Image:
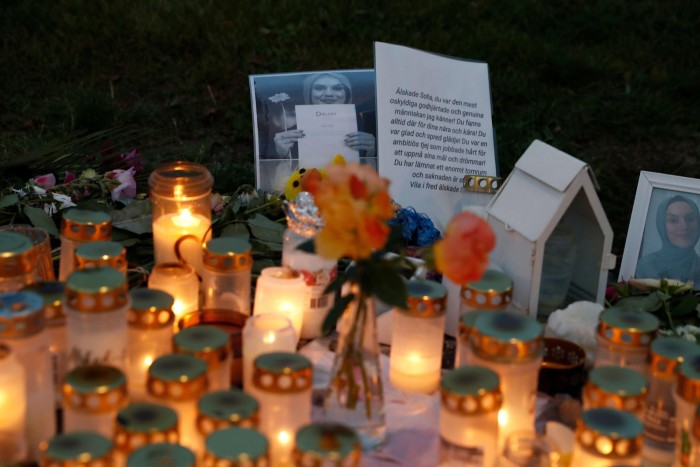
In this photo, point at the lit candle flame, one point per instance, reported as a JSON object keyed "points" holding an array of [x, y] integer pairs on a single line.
{"points": [[415, 358], [185, 219], [178, 307], [147, 361], [269, 338], [502, 417], [283, 437]]}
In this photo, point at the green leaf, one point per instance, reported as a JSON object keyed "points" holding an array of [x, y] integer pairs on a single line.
{"points": [[124, 238], [237, 229], [265, 229], [640, 303], [9, 200], [136, 217], [261, 263], [386, 283], [336, 312], [685, 306], [40, 219], [266, 247]]}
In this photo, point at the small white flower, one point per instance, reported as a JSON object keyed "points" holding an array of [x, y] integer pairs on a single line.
{"points": [[38, 190], [20, 192], [246, 198], [279, 97], [50, 209], [690, 337], [65, 200]]}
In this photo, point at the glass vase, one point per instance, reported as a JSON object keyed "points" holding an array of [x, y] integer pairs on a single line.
{"points": [[355, 396]]}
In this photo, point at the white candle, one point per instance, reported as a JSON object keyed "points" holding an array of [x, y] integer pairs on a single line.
{"points": [[180, 281], [281, 290], [13, 406], [170, 228], [269, 332]]}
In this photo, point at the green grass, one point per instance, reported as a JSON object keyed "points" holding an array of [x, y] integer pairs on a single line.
{"points": [[614, 83]]}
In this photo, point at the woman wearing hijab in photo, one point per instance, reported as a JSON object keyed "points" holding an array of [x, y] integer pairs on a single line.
{"points": [[321, 89], [678, 224]]}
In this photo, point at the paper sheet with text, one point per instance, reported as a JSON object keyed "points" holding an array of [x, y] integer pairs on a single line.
{"points": [[325, 128], [433, 127]]}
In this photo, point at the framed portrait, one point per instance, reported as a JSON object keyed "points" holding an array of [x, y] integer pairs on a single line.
{"points": [[307, 119], [662, 239]]}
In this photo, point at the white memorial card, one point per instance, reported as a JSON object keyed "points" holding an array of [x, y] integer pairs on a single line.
{"points": [[434, 127], [325, 130]]}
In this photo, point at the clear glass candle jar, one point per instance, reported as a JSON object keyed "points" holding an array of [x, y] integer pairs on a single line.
{"points": [[180, 281], [149, 335], [623, 338], [101, 254], [470, 401], [269, 332], [327, 444], [226, 274], [617, 388], [666, 353], [212, 345], [178, 381], [172, 455], [236, 446], [527, 448], [283, 383], [494, 291], [417, 337], [687, 398], [53, 293], [303, 222], [13, 406], [607, 437], [96, 306], [92, 396], [466, 326], [81, 448], [42, 244], [222, 409], [142, 423], [511, 345], [23, 328], [180, 193], [17, 262], [281, 290], [79, 226]]}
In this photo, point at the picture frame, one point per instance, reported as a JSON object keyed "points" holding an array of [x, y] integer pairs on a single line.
{"points": [[653, 248], [274, 98]]}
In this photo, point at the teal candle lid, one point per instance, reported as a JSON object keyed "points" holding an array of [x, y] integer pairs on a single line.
{"points": [[468, 319], [282, 372], [507, 336], [87, 217], [95, 251], [21, 314], [688, 386], [616, 387], [144, 417], [493, 291], [471, 390], [491, 280], [86, 226], [609, 432], [53, 293], [236, 444], [13, 244], [230, 406], [426, 299], [95, 281], [282, 362], [150, 309], [177, 377], [200, 339], [324, 441], [162, 454], [228, 254], [79, 446], [668, 352], [635, 328], [227, 246], [95, 379]]}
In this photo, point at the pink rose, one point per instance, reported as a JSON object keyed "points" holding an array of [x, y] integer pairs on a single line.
{"points": [[47, 180], [127, 184], [462, 254], [69, 177], [217, 203]]}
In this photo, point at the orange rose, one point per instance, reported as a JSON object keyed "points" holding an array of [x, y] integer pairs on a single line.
{"points": [[462, 254]]}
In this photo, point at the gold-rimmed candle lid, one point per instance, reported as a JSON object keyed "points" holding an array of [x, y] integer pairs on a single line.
{"points": [[493, 291], [162, 454], [100, 254], [86, 226], [481, 183], [150, 309], [141, 423], [282, 372], [623, 327], [507, 337], [666, 353], [228, 254], [225, 408], [471, 390], [466, 323], [21, 314], [177, 377], [53, 293], [426, 299], [209, 343], [236, 447], [609, 433], [180, 180], [78, 448], [96, 290], [95, 388], [688, 385], [616, 387], [17, 254], [327, 443]]}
